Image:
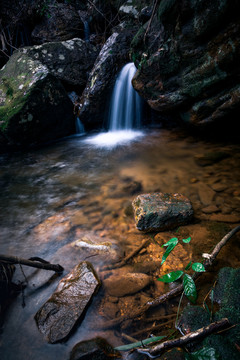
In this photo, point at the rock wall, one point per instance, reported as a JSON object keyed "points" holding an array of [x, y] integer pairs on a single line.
{"points": [[188, 60]]}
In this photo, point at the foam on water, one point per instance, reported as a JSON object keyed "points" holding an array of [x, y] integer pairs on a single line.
{"points": [[113, 138]]}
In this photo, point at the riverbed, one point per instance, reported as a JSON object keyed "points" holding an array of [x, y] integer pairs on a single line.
{"points": [[55, 195]]}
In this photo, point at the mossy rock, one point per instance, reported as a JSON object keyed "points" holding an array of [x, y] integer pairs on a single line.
{"points": [[34, 106]]}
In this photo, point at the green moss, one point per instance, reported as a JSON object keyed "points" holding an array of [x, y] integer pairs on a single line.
{"points": [[15, 100]]}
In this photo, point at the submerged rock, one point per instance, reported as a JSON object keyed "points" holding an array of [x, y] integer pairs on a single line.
{"points": [[126, 284], [64, 309], [160, 211], [94, 349], [34, 106], [70, 61]]}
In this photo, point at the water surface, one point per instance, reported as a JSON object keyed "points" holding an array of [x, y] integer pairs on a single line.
{"points": [[55, 195]]}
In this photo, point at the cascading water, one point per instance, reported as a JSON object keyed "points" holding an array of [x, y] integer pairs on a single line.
{"points": [[124, 112], [125, 107], [86, 30]]}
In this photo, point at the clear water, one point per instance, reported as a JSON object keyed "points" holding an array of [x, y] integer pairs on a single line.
{"points": [[55, 195]]}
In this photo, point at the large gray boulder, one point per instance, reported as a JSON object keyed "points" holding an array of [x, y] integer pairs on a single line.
{"points": [[70, 61], [113, 55], [58, 316], [161, 211], [34, 106]]}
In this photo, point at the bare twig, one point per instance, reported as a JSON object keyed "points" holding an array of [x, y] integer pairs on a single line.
{"points": [[144, 244], [158, 350], [40, 263], [153, 328]]}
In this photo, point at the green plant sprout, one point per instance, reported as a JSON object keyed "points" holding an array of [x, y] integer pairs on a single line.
{"points": [[189, 286]]}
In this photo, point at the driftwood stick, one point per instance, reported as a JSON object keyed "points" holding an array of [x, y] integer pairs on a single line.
{"points": [[174, 292], [158, 350], [40, 264], [144, 244]]}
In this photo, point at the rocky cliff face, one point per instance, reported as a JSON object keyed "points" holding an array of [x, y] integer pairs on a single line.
{"points": [[188, 60]]}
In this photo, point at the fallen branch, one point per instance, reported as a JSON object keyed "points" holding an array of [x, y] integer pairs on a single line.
{"points": [[144, 244], [174, 292], [33, 262], [158, 350]]}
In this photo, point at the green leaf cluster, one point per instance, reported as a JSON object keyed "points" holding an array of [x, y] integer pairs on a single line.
{"points": [[188, 283]]}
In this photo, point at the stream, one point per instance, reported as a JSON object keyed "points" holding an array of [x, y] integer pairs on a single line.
{"points": [[53, 196]]}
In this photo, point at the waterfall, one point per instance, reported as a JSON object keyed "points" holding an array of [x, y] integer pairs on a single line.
{"points": [[86, 30], [124, 112], [79, 127], [125, 107]]}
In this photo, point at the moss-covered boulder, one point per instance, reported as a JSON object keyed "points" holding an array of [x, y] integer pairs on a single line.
{"points": [[34, 106], [226, 293], [188, 61], [70, 61]]}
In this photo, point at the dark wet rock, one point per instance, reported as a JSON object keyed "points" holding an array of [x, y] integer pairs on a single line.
{"points": [[145, 14], [110, 60], [94, 349], [65, 308], [193, 318], [133, 187], [189, 61], [34, 106], [59, 22], [226, 293], [160, 211], [126, 284], [210, 158], [70, 61]]}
